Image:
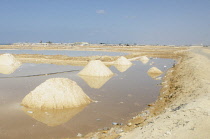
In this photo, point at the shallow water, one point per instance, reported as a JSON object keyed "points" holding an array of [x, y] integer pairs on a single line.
{"points": [[119, 99], [63, 52]]}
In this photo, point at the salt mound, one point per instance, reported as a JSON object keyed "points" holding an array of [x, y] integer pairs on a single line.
{"points": [[52, 117], [8, 60], [144, 59], [4, 69], [95, 82], [56, 93], [122, 61], [122, 68], [96, 68], [154, 72]]}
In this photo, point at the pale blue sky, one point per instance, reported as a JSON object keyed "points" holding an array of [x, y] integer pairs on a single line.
{"points": [[110, 21]]}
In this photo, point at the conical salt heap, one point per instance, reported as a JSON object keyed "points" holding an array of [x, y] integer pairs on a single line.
{"points": [[144, 59], [122, 61], [52, 117], [95, 82], [154, 72], [4, 69], [8, 60], [8, 64], [122, 68], [56, 93], [96, 68]]}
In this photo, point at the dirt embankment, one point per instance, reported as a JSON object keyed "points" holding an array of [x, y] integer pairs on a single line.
{"points": [[133, 54], [186, 111]]}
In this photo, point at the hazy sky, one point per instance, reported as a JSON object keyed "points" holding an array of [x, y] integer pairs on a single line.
{"points": [[109, 21]]}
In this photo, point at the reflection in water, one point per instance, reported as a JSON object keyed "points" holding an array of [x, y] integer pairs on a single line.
{"points": [[144, 61], [52, 117], [122, 68], [154, 72], [95, 82], [96, 68], [8, 69], [153, 75]]}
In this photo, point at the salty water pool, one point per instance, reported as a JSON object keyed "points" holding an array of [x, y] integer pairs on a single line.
{"points": [[119, 98]]}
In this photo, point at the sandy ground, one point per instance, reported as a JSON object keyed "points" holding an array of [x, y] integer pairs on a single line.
{"points": [[182, 109]]}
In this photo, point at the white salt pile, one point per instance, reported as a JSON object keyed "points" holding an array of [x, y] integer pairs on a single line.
{"points": [[122, 61], [144, 59], [56, 93], [4, 69], [154, 72], [8, 64], [94, 81], [8, 60], [96, 68], [122, 68]]}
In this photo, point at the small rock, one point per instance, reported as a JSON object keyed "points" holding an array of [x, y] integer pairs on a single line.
{"points": [[150, 104], [129, 124], [179, 107], [30, 111], [98, 119], [79, 135], [114, 123], [119, 131], [147, 111]]}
